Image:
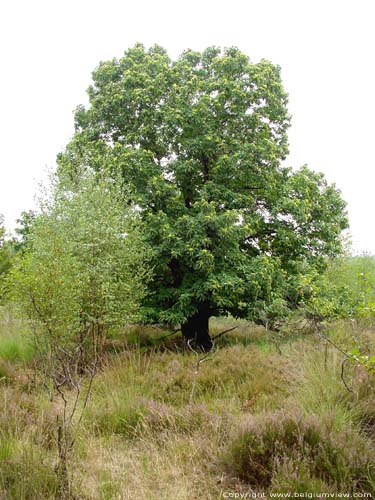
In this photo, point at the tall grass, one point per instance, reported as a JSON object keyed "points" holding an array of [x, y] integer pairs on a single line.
{"points": [[15, 336], [160, 426]]}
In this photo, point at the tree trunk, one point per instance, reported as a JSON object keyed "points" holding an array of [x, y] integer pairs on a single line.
{"points": [[196, 329]]}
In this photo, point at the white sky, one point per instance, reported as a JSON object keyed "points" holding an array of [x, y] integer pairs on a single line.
{"points": [[325, 48]]}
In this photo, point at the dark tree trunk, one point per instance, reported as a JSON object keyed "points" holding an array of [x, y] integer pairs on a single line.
{"points": [[196, 329]]}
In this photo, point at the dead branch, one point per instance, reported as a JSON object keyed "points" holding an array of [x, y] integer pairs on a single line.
{"points": [[200, 360], [342, 375], [166, 336]]}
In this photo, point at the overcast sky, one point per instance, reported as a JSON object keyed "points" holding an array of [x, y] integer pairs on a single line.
{"points": [[325, 50]]}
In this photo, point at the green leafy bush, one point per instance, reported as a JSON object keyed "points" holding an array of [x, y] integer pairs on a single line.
{"points": [[84, 268]]}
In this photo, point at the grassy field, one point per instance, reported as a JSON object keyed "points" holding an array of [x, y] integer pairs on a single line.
{"points": [[260, 415]]}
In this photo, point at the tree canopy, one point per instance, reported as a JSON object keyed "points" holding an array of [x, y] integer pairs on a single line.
{"points": [[199, 142], [24, 229]]}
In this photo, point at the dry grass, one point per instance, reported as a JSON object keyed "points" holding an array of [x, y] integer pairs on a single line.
{"points": [[156, 428], [282, 444]]}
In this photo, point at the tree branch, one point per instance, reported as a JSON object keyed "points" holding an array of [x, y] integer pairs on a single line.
{"points": [[347, 358], [342, 375], [224, 332], [166, 336]]}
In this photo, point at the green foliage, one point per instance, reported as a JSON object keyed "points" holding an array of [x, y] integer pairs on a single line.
{"points": [[322, 300], [6, 255], [200, 142], [2, 230], [84, 266], [356, 273], [9, 247], [367, 361], [347, 289], [24, 229]]}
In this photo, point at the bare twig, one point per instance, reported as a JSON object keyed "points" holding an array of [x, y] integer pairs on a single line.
{"points": [[342, 375], [323, 337], [93, 373], [72, 413], [190, 347], [201, 360], [88, 392], [62, 395], [346, 358]]}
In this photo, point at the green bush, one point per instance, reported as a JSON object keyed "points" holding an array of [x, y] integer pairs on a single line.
{"points": [[83, 271]]}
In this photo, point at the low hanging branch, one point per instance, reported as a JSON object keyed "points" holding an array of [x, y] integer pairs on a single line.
{"points": [[224, 332], [166, 336], [326, 339]]}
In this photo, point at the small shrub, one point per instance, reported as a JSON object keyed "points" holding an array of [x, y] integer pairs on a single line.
{"points": [[274, 444], [297, 479]]}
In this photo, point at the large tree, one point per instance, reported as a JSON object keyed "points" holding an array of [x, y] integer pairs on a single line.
{"points": [[200, 142]]}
